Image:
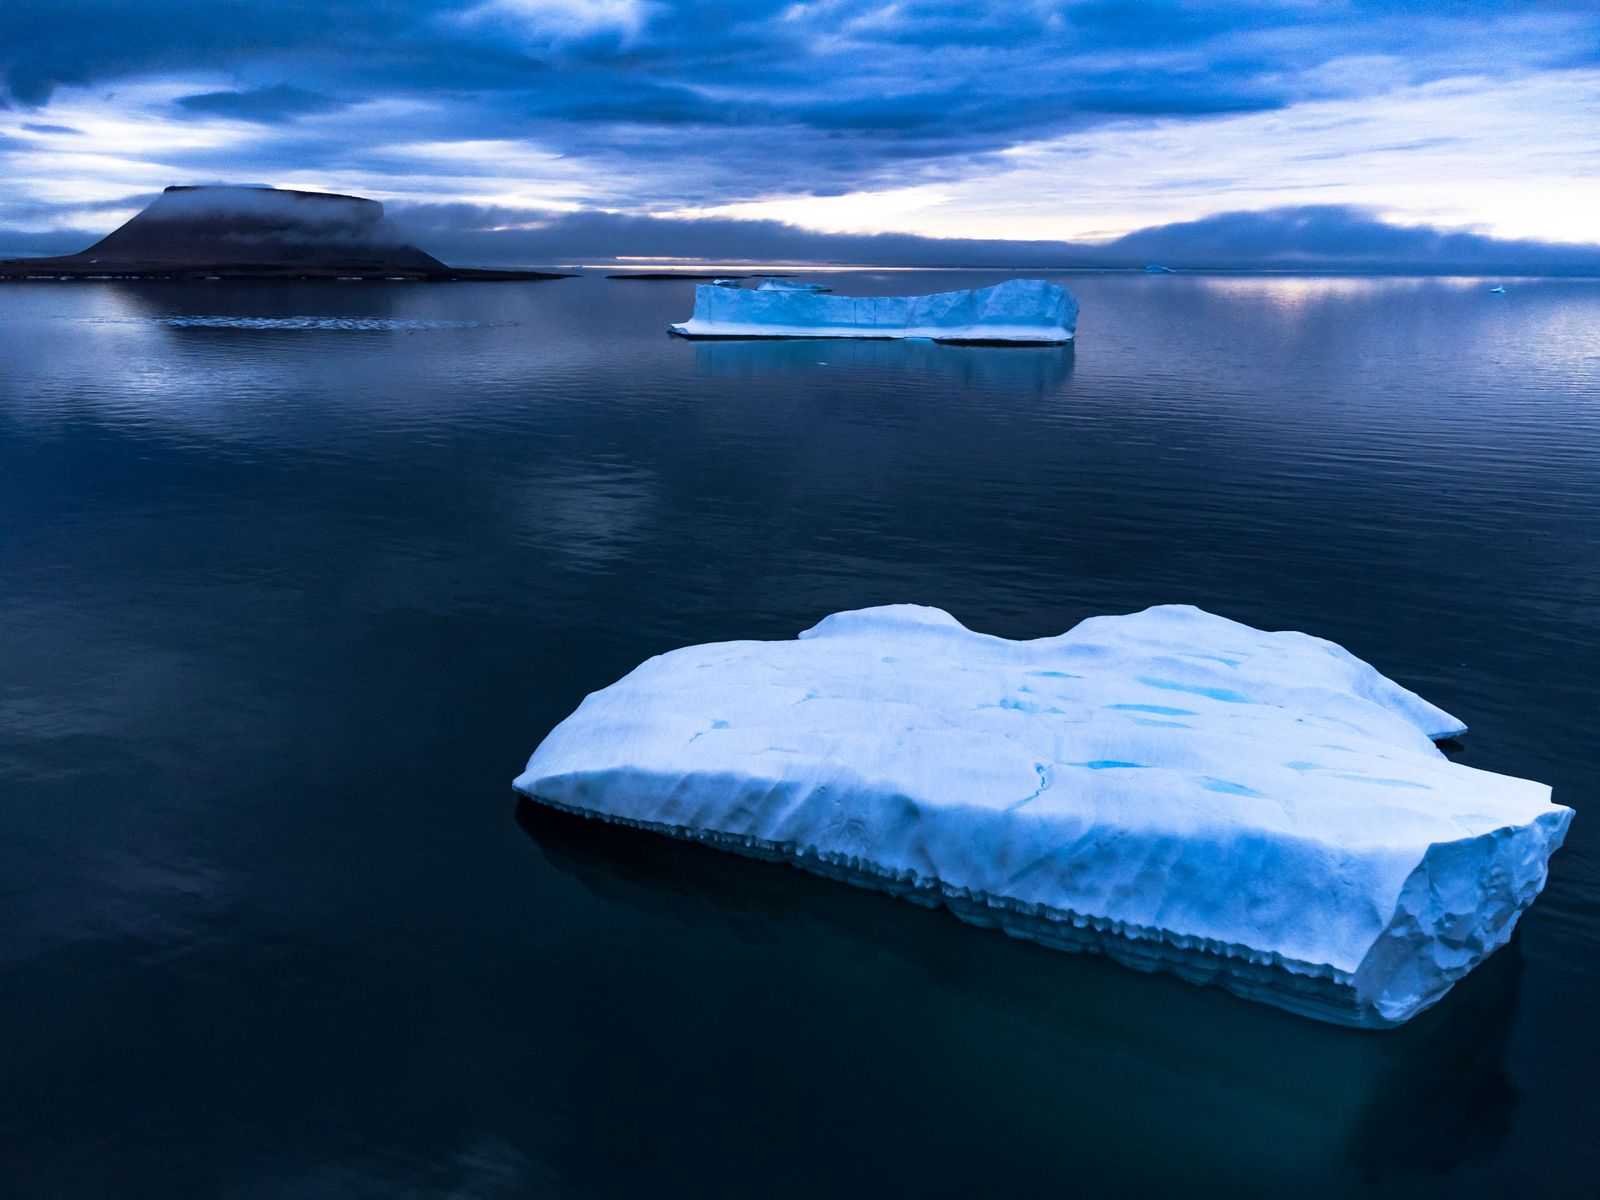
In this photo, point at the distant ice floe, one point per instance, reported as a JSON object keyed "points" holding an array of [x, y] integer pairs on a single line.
{"points": [[1021, 311], [352, 323], [1178, 791]]}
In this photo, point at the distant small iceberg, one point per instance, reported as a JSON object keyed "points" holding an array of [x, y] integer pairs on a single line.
{"points": [[1158, 269], [1017, 312]]}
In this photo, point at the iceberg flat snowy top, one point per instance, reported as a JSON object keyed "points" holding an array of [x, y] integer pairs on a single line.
{"points": [[1029, 311], [1182, 792]]}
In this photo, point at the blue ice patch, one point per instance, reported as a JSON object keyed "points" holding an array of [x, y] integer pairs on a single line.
{"points": [[1395, 783], [1229, 788], [1223, 694]]}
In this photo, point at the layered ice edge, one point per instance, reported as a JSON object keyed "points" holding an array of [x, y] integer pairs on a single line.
{"points": [[1180, 792]]}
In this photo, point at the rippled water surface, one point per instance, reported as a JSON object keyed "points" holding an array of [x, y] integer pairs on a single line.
{"points": [[294, 577]]}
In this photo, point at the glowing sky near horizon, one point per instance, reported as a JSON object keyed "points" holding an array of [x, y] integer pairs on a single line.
{"points": [[1075, 121]]}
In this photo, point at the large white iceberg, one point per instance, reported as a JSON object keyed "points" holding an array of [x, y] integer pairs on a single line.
{"points": [[1029, 311], [1176, 790]]}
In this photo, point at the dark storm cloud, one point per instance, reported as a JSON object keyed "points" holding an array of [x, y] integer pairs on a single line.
{"points": [[268, 105], [44, 44], [713, 102]]}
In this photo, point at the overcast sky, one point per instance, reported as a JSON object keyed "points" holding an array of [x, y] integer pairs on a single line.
{"points": [[1080, 122]]}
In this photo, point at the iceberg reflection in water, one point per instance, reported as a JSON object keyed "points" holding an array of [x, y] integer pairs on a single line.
{"points": [[961, 1021], [1032, 369]]}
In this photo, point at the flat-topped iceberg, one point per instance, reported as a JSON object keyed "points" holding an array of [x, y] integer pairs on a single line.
{"points": [[1181, 792], [1026, 311]]}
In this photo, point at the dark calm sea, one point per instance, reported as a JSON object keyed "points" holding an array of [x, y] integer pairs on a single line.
{"points": [[285, 605]]}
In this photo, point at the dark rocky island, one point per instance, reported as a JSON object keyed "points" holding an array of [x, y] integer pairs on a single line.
{"points": [[229, 232]]}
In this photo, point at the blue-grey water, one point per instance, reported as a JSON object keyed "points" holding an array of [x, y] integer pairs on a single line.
{"points": [[294, 577]]}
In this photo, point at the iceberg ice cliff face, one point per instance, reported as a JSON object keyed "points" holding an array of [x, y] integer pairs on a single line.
{"points": [[1178, 791], [1027, 311]]}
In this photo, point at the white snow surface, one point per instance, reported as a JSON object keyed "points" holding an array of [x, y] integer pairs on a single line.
{"points": [[1029, 311], [1179, 791]]}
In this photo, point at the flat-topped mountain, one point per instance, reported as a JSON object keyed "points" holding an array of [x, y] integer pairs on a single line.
{"points": [[254, 233]]}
